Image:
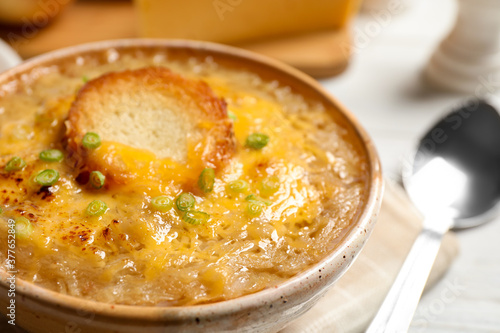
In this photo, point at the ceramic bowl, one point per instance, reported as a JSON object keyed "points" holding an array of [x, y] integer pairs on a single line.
{"points": [[41, 310]]}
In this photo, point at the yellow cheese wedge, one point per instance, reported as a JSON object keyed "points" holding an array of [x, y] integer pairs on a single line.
{"points": [[230, 21]]}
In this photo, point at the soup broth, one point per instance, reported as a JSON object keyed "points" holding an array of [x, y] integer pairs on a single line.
{"points": [[272, 213]]}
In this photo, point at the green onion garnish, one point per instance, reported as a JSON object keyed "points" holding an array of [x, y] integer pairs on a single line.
{"points": [[51, 155], [254, 208], [206, 180], [255, 205], [232, 115], [162, 203], [257, 141], [195, 217], [238, 186], [1, 210], [96, 208], [23, 227], [184, 202], [254, 198], [91, 140], [15, 164], [47, 177], [269, 186], [97, 179], [85, 79]]}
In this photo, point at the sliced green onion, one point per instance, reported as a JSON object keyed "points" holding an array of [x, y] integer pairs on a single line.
{"points": [[162, 203], [255, 205], [85, 79], [91, 140], [96, 208], [47, 177], [232, 115], [257, 141], [238, 186], [254, 208], [1, 210], [97, 179], [51, 155], [269, 186], [254, 198], [184, 202], [206, 180], [15, 164], [23, 227], [195, 217]]}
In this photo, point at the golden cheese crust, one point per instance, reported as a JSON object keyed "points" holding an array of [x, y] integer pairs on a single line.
{"points": [[150, 109], [271, 213]]}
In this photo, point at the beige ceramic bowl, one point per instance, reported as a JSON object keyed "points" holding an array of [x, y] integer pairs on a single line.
{"points": [[41, 310]]}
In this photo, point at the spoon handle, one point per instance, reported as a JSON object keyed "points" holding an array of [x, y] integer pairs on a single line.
{"points": [[397, 310]]}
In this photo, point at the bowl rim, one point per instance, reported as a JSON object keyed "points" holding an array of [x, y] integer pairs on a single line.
{"points": [[247, 302]]}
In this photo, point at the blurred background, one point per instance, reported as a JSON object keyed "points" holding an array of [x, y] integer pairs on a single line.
{"points": [[373, 55], [311, 35]]}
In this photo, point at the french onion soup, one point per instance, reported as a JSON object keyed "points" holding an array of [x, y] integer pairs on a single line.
{"points": [[143, 180]]}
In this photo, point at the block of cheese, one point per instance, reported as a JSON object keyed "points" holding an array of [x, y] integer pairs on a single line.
{"points": [[229, 21]]}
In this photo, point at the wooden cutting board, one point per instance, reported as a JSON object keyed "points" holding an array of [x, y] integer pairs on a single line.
{"points": [[319, 54]]}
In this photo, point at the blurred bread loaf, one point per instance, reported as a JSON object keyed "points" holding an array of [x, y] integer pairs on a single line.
{"points": [[229, 21], [150, 109], [39, 12]]}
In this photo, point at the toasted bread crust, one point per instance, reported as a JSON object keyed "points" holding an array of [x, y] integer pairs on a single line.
{"points": [[205, 137]]}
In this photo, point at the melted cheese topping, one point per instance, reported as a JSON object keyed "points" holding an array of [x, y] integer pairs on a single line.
{"points": [[134, 254]]}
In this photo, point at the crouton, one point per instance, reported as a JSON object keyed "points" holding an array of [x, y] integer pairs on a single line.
{"points": [[153, 110]]}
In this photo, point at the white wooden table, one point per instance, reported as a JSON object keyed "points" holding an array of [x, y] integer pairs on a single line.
{"points": [[383, 87]]}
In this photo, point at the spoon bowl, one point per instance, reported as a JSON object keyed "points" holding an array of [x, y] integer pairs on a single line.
{"points": [[463, 149], [453, 178]]}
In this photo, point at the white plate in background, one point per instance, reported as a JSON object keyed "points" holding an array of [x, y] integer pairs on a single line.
{"points": [[8, 57]]}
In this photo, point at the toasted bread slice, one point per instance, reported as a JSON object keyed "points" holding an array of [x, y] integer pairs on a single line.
{"points": [[145, 116]]}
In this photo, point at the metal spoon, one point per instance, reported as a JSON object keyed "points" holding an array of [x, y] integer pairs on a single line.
{"points": [[454, 180]]}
